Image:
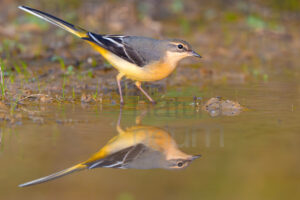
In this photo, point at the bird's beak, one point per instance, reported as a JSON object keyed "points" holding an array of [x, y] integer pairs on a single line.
{"points": [[195, 157], [193, 53]]}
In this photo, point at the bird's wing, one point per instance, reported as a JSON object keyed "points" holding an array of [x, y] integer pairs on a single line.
{"points": [[119, 159], [120, 46]]}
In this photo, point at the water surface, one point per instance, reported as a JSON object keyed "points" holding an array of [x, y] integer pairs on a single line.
{"points": [[250, 156]]}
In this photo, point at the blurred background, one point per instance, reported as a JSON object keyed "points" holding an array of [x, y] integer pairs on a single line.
{"points": [[59, 100], [238, 39]]}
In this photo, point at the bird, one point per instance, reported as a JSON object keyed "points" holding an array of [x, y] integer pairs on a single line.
{"points": [[137, 147], [138, 58]]}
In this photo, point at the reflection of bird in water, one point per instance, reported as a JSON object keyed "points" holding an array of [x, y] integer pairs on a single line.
{"points": [[137, 147]]}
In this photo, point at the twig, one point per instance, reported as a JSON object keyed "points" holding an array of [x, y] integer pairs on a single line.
{"points": [[30, 96]]}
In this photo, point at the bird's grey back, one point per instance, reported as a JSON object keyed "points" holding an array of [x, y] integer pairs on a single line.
{"points": [[149, 49], [148, 158]]}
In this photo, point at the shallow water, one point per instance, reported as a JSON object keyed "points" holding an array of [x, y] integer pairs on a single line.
{"points": [[250, 156]]}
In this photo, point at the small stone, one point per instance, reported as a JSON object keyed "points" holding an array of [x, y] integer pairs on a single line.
{"points": [[86, 98]]}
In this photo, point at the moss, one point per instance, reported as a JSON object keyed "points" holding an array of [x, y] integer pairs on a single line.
{"points": [[285, 5]]}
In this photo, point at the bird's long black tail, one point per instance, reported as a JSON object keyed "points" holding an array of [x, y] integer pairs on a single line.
{"points": [[76, 30], [55, 175]]}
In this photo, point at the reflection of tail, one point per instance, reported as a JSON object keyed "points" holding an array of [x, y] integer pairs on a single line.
{"points": [[56, 21], [55, 175]]}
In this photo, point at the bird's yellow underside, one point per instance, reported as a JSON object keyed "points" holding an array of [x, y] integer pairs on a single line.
{"points": [[152, 72]]}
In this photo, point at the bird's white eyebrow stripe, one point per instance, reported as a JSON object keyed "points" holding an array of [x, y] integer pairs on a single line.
{"points": [[94, 38]]}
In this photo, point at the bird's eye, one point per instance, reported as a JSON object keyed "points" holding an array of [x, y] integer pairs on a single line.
{"points": [[180, 164], [180, 46]]}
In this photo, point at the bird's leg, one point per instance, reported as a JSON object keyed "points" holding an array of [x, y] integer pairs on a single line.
{"points": [[138, 85], [119, 129], [120, 116], [119, 77]]}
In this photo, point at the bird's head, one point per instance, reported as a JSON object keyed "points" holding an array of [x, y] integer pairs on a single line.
{"points": [[177, 49], [181, 163]]}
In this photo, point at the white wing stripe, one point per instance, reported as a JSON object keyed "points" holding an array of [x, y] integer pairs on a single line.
{"points": [[94, 38], [116, 36], [124, 48], [112, 165], [95, 164], [113, 41]]}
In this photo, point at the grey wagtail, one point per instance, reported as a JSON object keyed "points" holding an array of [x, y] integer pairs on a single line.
{"points": [[137, 147], [136, 58]]}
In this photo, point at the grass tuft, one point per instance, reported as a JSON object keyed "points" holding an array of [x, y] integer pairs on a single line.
{"points": [[2, 82]]}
